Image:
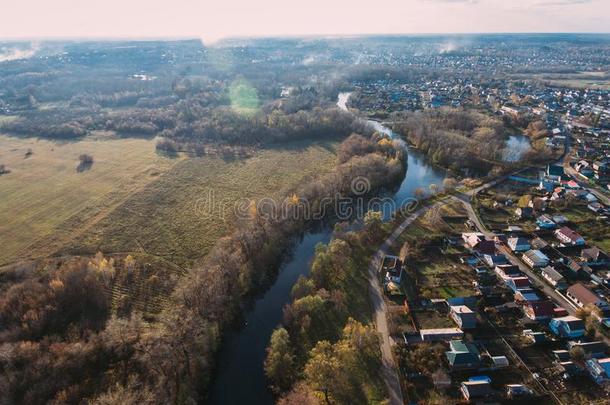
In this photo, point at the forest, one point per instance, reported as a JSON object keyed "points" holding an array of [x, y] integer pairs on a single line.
{"points": [[464, 141]]}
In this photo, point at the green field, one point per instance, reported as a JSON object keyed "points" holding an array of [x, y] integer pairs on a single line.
{"points": [[182, 214], [44, 190], [581, 80], [132, 199]]}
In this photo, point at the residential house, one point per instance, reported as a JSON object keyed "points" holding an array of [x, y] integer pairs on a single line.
{"points": [[518, 283], [539, 310], [555, 171], [526, 295], [595, 207], [591, 349], [477, 242], [594, 257], [517, 390], [569, 237], [505, 271], [561, 355], [392, 268], [559, 219], [462, 355], [567, 327], [535, 258], [499, 361], [599, 370], [554, 278], [534, 337], [576, 269], [582, 296], [518, 244], [495, 260], [471, 239], [463, 316], [590, 198], [440, 334], [538, 243], [545, 222], [601, 171], [547, 184], [524, 213], [473, 390], [559, 312]]}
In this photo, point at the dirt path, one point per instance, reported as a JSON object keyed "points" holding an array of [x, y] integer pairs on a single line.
{"points": [[388, 370]]}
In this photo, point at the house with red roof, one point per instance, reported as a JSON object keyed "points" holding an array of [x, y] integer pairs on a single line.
{"points": [[569, 237], [539, 310]]}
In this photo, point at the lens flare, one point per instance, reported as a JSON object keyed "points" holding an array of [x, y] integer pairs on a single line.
{"points": [[244, 97]]}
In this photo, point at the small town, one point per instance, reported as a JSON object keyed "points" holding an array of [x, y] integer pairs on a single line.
{"points": [[305, 203], [501, 293]]}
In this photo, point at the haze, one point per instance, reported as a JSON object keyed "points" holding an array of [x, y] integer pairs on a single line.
{"points": [[212, 20]]}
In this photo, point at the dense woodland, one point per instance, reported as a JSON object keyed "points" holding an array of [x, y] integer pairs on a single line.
{"points": [[465, 141], [65, 339]]}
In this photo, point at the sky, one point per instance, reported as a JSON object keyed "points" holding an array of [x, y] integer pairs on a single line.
{"points": [[212, 20]]}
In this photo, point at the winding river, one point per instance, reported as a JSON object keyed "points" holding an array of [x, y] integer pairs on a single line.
{"points": [[240, 378]]}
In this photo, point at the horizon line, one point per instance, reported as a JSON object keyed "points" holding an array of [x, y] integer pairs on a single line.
{"points": [[283, 36]]}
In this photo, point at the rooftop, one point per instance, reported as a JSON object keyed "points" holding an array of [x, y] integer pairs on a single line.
{"points": [[583, 294]]}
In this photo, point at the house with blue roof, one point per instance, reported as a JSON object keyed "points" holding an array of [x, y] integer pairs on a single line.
{"points": [[567, 327], [545, 222]]}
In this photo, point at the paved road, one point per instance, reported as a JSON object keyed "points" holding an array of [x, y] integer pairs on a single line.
{"points": [[388, 371]]}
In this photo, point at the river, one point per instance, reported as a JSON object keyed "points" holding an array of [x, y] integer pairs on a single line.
{"points": [[240, 378]]}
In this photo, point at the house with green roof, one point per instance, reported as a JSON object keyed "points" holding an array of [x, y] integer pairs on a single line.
{"points": [[462, 355]]}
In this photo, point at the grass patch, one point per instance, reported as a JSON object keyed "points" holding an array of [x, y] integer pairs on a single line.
{"points": [[586, 222], [181, 215], [44, 191], [430, 319], [133, 199], [442, 277]]}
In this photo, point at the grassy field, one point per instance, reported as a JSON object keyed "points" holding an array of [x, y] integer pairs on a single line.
{"points": [[581, 80], [132, 199], [444, 278], [181, 215], [44, 190]]}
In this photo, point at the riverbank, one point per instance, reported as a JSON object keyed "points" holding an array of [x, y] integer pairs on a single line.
{"points": [[241, 357], [242, 353]]}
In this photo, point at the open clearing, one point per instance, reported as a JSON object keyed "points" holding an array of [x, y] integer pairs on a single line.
{"points": [[44, 190], [581, 80], [132, 199], [182, 214]]}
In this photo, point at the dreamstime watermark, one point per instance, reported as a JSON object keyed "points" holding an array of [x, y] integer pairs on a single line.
{"points": [[338, 206]]}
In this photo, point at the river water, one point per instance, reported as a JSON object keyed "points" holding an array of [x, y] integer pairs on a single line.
{"points": [[240, 378]]}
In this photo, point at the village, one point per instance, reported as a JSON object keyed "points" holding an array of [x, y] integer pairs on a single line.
{"points": [[508, 300]]}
